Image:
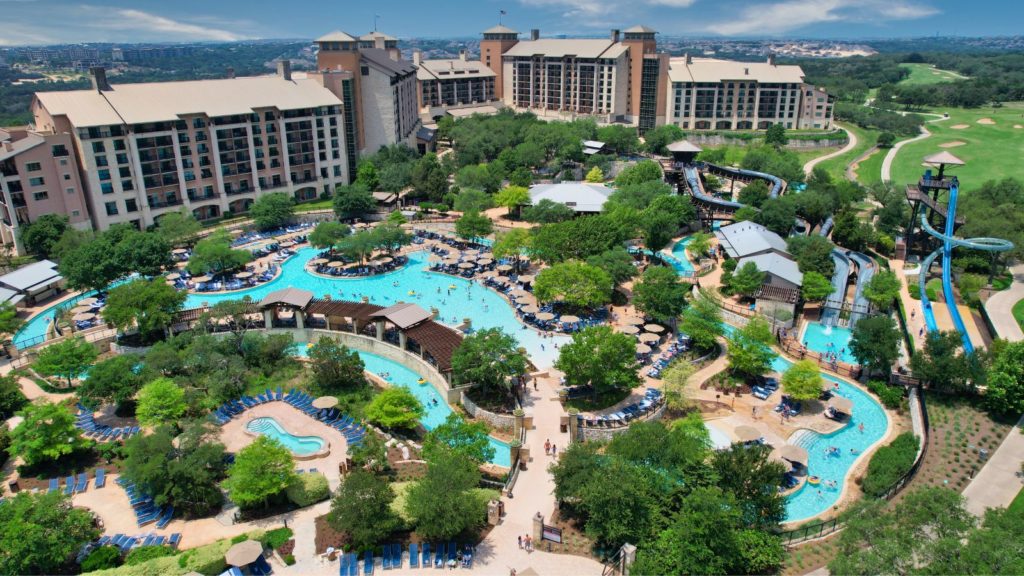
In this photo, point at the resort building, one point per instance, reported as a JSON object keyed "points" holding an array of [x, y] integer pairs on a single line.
{"points": [[378, 93], [749, 242], [582, 197], [713, 94], [209, 146], [744, 239], [452, 83], [31, 284], [38, 175]]}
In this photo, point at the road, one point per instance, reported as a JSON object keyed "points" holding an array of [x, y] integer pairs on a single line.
{"points": [[1000, 479], [1000, 307], [887, 162], [850, 145]]}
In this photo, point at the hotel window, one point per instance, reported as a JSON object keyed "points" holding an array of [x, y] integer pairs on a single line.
{"points": [[130, 206], [58, 150], [104, 174], [63, 161], [37, 196], [127, 185], [101, 161], [98, 148], [69, 190], [198, 123], [33, 167], [111, 208], [75, 213], [38, 181], [119, 145]]}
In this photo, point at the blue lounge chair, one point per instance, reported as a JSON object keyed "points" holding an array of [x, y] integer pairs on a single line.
{"points": [[426, 554], [452, 551], [353, 566], [127, 543], [396, 555], [368, 562], [69, 485], [439, 556], [54, 485], [115, 540], [149, 540], [166, 518], [343, 565], [174, 540], [414, 556], [158, 541], [83, 483], [385, 561], [101, 478]]}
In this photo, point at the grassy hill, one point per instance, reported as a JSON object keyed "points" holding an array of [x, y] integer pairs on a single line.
{"points": [[927, 74]]}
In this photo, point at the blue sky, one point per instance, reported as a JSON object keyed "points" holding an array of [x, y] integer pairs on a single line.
{"points": [[53, 21]]}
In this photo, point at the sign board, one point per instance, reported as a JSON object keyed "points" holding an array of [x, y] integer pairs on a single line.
{"points": [[551, 533]]}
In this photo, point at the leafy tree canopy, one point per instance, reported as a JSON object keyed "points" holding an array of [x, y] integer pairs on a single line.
{"points": [[40, 533], [214, 254], [660, 294], [67, 359], [395, 407], [46, 433], [40, 236], [149, 305], [456, 434], [362, 509], [335, 366], [353, 200], [272, 211], [599, 357], [160, 402], [802, 380], [261, 470], [473, 225], [815, 287], [489, 358], [329, 234], [574, 283]]}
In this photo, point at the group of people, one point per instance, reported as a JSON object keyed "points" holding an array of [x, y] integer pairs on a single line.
{"points": [[526, 543], [550, 449]]}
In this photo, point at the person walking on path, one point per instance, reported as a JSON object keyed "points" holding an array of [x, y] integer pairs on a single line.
{"points": [[547, 447], [520, 538]]}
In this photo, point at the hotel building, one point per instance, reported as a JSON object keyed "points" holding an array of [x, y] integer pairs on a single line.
{"points": [[452, 83]]}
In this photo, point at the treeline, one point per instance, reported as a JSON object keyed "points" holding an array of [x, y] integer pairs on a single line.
{"points": [[884, 120], [850, 79]]}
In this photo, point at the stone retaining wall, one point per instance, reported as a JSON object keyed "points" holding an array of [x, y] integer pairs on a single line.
{"points": [[601, 433], [722, 139], [501, 421]]}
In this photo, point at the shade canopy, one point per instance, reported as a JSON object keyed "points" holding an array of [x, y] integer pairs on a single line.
{"points": [[545, 316], [244, 553], [530, 309], [87, 301], [386, 260], [794, 454], [325, 402], [470, 252], [519, 293], [526, 300], [179, 251], [655, 328], [747, 433], [944, 158], [335, 264], [202, 279], [243, 275], [489, 274], [466, 265], [629, 330], [633, 320], [434, 258], [173, 276], [648, 337], [81, 309], [485, 261], [570, 318], [318, 261], [643, 349], [504, 268], [83, 317], [526, 279], [841, 404]]}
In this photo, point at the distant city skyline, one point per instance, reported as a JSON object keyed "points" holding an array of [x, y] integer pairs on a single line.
{"points": [[127, 21]]}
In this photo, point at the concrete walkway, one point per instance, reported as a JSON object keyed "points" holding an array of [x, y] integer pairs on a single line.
{"points": [[1000, 479], [810, 164], [891, 155], [1000, 307]]}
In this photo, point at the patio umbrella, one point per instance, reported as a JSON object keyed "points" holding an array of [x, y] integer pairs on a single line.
{"points": [[386, 260], [87, 302], [643, 349], [201, 279], [629, 330], [648, 337], [526, 279], [288, 244], [545, 316], [633, 320], [485, 261], [244, 553], [83, 317], [489, 274], [451, 261], [80, 309], [318, 261], [530, 309], [526, 300], [466, 265], [794, 454], [747, 433], [173, 276], [654, 328], [504, 268], [501, 279], [841, 404], [518, 293], [569, 318], [325, 402], [434, 258], [179, 251], [335, 264], [243, 275], [470, 252]]}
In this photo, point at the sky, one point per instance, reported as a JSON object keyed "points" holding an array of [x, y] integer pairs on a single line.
{"points": [[66, 21]]}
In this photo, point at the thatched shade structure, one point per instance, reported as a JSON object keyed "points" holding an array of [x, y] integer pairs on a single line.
{"points": [[794, 454], [748, 433], [841, 404], [244, 553]]}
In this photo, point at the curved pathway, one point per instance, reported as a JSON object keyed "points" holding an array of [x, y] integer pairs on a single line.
{"points": [[850, 145], [999, 307], [1000, 479], [891, 155]]}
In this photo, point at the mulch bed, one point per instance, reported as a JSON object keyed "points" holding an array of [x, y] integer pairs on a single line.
{"points": [[574, 540]]}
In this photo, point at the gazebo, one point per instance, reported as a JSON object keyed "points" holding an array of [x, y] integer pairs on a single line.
{"points": [[288, 299]]}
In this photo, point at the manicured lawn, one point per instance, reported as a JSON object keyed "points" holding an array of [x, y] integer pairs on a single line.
{"points": [[1018, 313], [931, 288], [1018, 503], [927, 74], [865, 139], [315, 205], [869, 171], [991, 151], [806, 155]]}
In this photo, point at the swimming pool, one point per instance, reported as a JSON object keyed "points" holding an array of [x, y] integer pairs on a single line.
{"points": [[818, 337], [436, 409], [299, 445], [682, 263], [810, 500]]}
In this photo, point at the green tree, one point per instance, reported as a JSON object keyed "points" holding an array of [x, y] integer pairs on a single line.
{"points": [[595, 175], [1005, 391], [621, 139], [114, 380], [512, 197], [886, 140], [548, 212], [747, 279], [659, 137], [429, 178], [752, 476], [441, 504], [395, 407], [642, 171], [755, 193], [472, 200], [40, 236], [11, 397], [70, 241], [574, 283], [702, 322], [67, 359], [261, 470], [599, 357], [851, 232], [521, 176], [746, 214], [183, 471], [748, 352], [272, 211], [160, 402], [882, 290], [144, 253], [214, 254], [812, 254], [178, 227], [816, 287], [396, 218], [875, 343], [362, 509], [617, 262], [488, 358], [775, 135], [700, 244], [480, 177], [674, 380], [638, 196], [40, 533], [941, 362], [336, 368], [359, 245], [463, 438], [329, 234], [802, 380], [511, 244], [366, 175], [660, 294], [46, 433], [473, 225], [353, 201], [778, 214], [149, 305]]}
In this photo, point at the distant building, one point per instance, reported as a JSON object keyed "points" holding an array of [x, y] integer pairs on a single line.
{"points": [[38, 175], [712, 94], [452, 83], [582, 197]]}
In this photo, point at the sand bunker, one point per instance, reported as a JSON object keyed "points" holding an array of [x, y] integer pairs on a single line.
{"points": [[986, 121], [960, 126], [1018, 126], [952, 144]]}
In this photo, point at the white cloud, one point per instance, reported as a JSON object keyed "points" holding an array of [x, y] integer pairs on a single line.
{"points": [[592, 11], [131, 19], [780, 17]]}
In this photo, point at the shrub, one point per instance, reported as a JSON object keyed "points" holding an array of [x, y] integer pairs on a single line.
{"points": [[289, 559], [102, 558], [889, 463], [308, 489], [275, 538], [146, 553], [891, 396]]}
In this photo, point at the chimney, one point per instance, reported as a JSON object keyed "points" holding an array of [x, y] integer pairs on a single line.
{"points": [[231, 72], [378, 42], [746, 71], [462, 54], [417, 57], [771, 59], [284, 69], [99, 79], [689, 59], [615, 34], [535, 34]]}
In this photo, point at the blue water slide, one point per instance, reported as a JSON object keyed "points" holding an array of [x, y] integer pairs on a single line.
{"points": [[826, 227], [946, 251], [775, 181], [865, 271], [697, 190], [834, 302]]}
